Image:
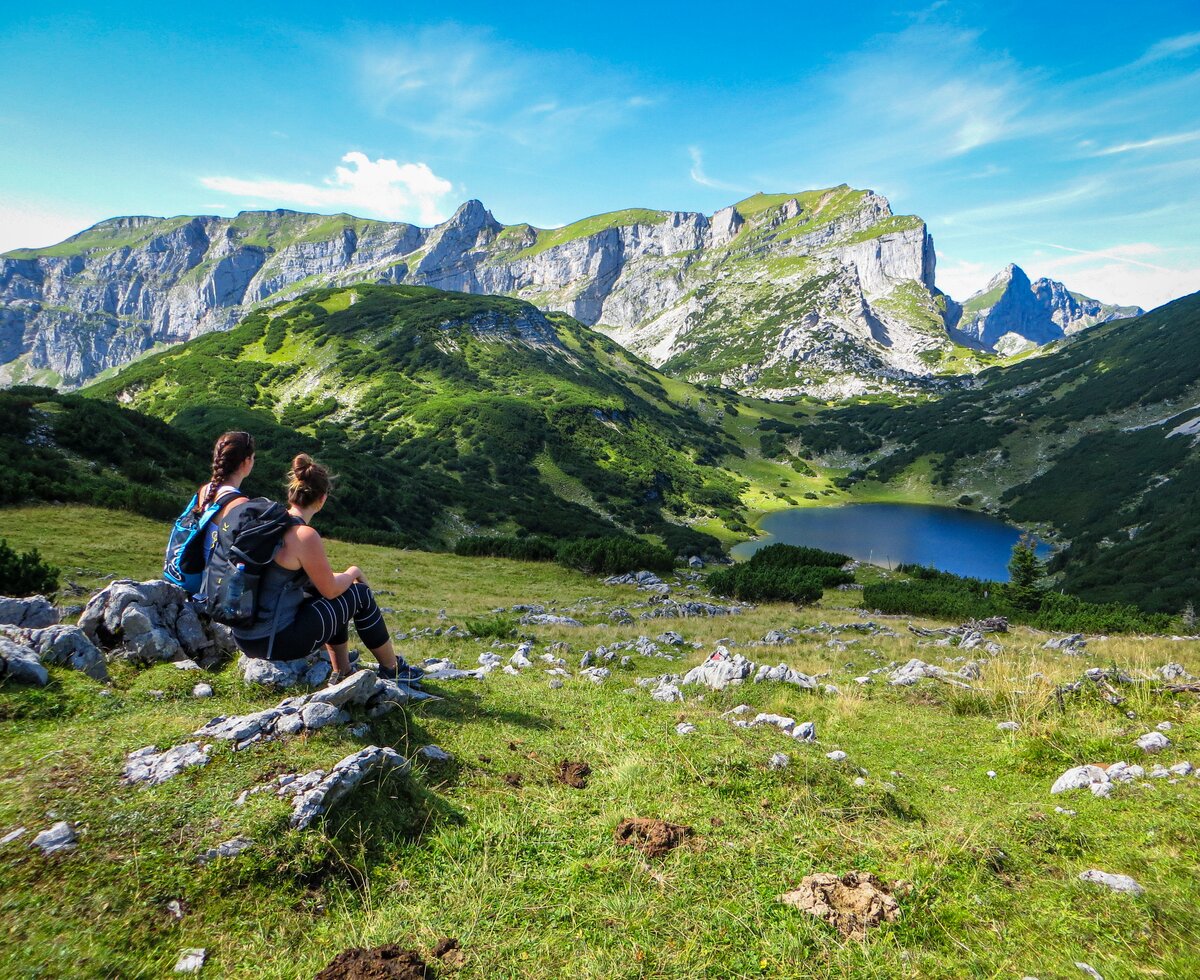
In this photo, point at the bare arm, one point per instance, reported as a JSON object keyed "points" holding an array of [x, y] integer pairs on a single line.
{"points": [[309, 550]]}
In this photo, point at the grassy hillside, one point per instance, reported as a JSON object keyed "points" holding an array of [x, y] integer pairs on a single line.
{"points": [[491, 850], [1085, 440], [444, 412]]}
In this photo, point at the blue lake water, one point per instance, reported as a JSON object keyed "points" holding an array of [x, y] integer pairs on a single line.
{"points": [[955, 540]]}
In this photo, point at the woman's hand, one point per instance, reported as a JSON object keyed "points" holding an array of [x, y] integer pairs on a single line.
{"points": [[358, 575]]}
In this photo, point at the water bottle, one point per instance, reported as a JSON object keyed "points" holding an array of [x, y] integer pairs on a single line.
{"points": [[233, 593]]}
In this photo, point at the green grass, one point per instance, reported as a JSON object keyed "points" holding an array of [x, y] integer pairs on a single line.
{"points": [[590, 226], [529, 879], [106, 236]]}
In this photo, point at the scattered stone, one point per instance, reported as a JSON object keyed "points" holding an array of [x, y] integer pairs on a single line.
{"points": [[1083, 777], [1173, 672], [991, 774], [1089, 970], [775, 637], [597, 675], [358, 688], [11, 836], [1121, 772], [1065, 813], [58, 837], [806, 731], [654, 838], [1163, 726], [670, 609], [667, 693], [860, 782], [913, 671], [434, 753], [1153, 742], [62, 646], [1118, 883], [837, 755], [574, 774], [1009, 726], [33, 612], [230, 848], [153, 767], [780, 760], [1074, 643], [149, 622], [318, 714], [21, 664], [343, 778], [191, 961], [388, 962], [785, 674], [643, 580], [545, 619], [685, 728], [852, 903], [202, 691]]}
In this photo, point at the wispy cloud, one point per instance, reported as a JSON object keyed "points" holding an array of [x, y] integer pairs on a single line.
{"points": [[462, 84], [1170, 47], [1073, 195], [700, 177], [382, 188], [1155, 143]]}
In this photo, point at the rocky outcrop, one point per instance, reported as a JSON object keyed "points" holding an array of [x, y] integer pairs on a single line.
{"points": [[314, 793], [149, 622], [63, 646], [20, 664], [1011, 313], [32, 612], [820, 284]]}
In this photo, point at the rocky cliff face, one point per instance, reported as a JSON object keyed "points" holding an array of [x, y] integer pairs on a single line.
{"points": [[1011, 313], [825, 291]]}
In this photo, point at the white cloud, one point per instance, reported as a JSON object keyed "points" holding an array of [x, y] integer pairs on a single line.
{"points": [[1121, 281], [382, 188], [701, 178], [1151, 144], [1169, 47], [27, 224], [963, 278]]}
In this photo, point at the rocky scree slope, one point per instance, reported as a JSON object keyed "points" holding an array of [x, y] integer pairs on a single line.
{"points": [[1102, 441], [823, 291], [447, 413], [1011, 314]]}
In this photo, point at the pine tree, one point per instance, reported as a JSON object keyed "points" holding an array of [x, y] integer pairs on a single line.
{"points": [[1025, 572]]}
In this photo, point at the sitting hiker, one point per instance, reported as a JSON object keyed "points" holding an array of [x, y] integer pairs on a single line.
{"points": [[305, 603], [195, 532]]}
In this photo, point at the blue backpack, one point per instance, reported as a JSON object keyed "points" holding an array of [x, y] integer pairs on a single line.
{"points": [[184, 562]]}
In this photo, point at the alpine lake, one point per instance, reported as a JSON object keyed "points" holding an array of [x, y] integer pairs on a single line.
{"points": [[952, 539]]}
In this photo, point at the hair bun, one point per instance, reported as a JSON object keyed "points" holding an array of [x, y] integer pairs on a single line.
{"points": [[302, 466]]}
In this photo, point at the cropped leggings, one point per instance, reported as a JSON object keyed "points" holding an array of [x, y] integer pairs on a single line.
{"points": [[320, 621]]}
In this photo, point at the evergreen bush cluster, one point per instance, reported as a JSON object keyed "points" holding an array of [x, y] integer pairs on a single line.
{"points": [[782, 573], [614, 555], [25, 573], [500, 546]]}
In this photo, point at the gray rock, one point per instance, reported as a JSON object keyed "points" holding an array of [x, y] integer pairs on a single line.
{"points": [[282, 675], [11, 836], [318, 714], [33, 612], [434, 753], [21, 665], [349, 773], [191, 960], [229, 848], [779, 760], [57, 838], [150, 622], [775, 638], [670, 638], [785, 674], [695, 562], [1118, 883], [153, 767], [597, 675], [837, 755], [685, 728], [720, 670], [1083, 777], [1009, 726], [64, 646], [1153, 742], [667, 693], [806, 731], [202, 690], [1073, 643], [1164, 726], [915, 670], [546, 619], [1173, 672], [357, 689], [1089, 970]]}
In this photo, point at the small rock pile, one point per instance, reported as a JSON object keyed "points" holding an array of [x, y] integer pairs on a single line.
{"points": [[723, 668]]}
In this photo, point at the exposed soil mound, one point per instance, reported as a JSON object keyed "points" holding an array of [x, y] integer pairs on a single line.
{"points": [[513, 779], [654, 838], [574, 774], [852, 903], [388, 962]]}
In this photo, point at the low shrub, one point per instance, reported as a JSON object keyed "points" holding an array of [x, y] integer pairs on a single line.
{"points": [[496, 546], [25, 573], [493, 627], [613, 555], [782, 573], [796, 556]]}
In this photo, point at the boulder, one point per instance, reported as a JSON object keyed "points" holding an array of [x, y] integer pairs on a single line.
{"points": [[21, 664], [915, 670], [315, 797], [150, 622], [786, 675], [64, 646], [1083, 777], [1072, 644], [34, 612], [1153, 742], [281, 675]]}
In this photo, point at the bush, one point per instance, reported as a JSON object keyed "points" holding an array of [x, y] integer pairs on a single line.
{"points": [[796, 556], [493, 628], [25, 573], [521, 549], [614, 555], [749, 583]]}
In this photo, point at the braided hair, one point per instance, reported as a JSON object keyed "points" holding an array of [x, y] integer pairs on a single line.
{"points": [[230, 451]]}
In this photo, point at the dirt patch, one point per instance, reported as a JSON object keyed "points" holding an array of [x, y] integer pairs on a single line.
{"points": [[449, 952], [654, 838], [852, 903], [574, 774], [381, 963], [513, 779]]}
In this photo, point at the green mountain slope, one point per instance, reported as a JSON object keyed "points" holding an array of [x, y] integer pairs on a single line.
{"points": [[444, 413], [1098, 440]]}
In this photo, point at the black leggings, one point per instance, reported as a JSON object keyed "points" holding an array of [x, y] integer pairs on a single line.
{"points": [[320, 621]]}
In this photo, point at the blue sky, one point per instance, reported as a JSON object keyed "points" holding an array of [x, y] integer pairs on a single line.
{"points": [[1062, 136]]}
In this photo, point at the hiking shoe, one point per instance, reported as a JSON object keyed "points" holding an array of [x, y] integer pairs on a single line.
{"points": [[336, 677], [403, 671]]}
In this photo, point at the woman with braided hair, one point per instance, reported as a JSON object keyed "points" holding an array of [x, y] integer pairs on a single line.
{"points": [[232, 461]]}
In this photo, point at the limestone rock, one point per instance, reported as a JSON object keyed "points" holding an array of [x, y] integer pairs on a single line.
{"points": [[341, 780], [282, 675], [153, 767], [1083, 777], [1153, 742], [21, 665], [229, 848], [57, 838], [34, 612], [1118, 883], [191, 960], [64, 646]]}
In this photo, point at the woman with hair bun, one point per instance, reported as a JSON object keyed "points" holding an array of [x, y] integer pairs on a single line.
{"points": [[321, 612]]}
